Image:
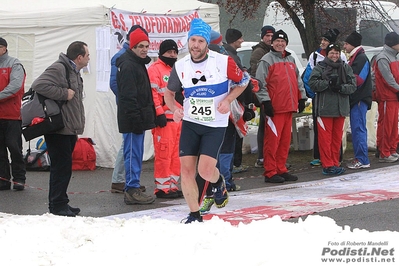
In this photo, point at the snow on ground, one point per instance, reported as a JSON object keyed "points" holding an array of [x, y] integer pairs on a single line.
{"points": [[156, 237], [55, 240]]}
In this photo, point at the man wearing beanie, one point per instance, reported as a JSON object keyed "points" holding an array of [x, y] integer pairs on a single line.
{"points": [[360, 100], [166, 134], [234, 40], [330, 36], [136, 112], [12, 80], [386, 71], [258, 51], [281, 95], [216, 43], [262, 48], [227, 151], [118, 175], [211, 82], [216, 37]]}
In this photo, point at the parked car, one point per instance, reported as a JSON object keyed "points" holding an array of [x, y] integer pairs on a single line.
{"points": [[245, 55]]}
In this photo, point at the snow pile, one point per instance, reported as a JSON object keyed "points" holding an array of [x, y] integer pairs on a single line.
{"points": [[55, 240]]}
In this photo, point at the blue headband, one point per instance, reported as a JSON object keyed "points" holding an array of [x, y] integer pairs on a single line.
{"points": [[199, 28]]}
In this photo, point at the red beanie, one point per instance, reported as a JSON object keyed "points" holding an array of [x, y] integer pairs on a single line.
{"points": [[136, 36]]}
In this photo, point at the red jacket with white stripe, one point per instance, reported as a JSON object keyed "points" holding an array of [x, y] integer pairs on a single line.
{"points": [[386, 71], [282, 84], [12, 79]]}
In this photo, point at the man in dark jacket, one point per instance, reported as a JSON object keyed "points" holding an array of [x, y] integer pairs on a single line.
{"points": [[136, 112], [234, 40], [258, 51], [118, 175], [360, 100], [53, 84], [262, 48]]}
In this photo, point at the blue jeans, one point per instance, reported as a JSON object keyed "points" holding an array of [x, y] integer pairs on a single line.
{"points": [[226, 155], [118, 175], [133, 150], [225, 166], [359, 132]]}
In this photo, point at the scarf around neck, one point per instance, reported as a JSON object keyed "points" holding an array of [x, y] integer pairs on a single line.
{"points": [[331, 66]]}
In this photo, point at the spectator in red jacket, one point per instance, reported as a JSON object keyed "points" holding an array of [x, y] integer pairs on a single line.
{"points": [[386, 71], [282, 95], [12, 80]]}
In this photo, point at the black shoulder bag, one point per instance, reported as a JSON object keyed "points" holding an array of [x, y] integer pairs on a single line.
{"points": [[41, 115]]}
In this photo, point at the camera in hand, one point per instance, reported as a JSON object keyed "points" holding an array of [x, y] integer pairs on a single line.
{"points": [[248, 114], [333, 80]]}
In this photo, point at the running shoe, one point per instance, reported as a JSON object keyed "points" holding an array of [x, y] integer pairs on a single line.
{"points": [[207, 204], [395, 155], [240, 169], [191, 219], [333, 170], [389, 159], [356, 164], [259, 163], [315, 162], [221, 196]]}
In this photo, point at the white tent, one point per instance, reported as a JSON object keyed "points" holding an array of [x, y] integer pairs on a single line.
{"points": [[37, 31]]}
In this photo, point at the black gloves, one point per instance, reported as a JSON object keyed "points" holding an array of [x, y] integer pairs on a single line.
{"points": [[268, 108], [301, 105], [248, 114], [336, 88], [333, 83], [160, 120]]}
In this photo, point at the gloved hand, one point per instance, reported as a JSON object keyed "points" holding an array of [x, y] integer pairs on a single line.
{"points": [[160, 120], [268, 108], [332, 83], [248, 114], [336, 88], [301, 105]]}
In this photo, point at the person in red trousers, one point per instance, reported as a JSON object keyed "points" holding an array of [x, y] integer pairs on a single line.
{"points": [[282, 95], [166, 134], [333, 81]]}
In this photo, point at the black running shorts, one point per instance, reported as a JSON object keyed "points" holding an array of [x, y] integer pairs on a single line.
{"points": [[196, 139]]}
